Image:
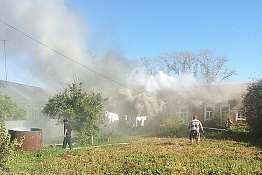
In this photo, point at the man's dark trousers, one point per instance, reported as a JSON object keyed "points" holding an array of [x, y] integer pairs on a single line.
{"points": [[67, 140]]}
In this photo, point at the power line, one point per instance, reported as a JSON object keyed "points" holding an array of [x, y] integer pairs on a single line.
{"points": [[67, 57]]}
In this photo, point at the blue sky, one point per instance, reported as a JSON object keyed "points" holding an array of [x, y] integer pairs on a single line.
{"points": [[134, 29], [150, 27]]}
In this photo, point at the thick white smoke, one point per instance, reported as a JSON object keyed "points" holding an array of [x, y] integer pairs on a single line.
{"points": [[67, 32], [51, 23]]}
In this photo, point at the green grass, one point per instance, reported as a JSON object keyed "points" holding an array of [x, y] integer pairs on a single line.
{"points": [[117, 138], [146, 156]]}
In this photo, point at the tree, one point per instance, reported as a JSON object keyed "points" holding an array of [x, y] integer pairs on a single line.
{"points": [[148, 64], [205, 66], [76, 105], [252, 107], [9, 109], [212, 68]]}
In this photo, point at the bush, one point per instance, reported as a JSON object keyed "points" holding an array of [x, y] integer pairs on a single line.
{"points": [[9, 110], [219, 121], [239, 128], [7, 148], [173, 128], [252, 107]]}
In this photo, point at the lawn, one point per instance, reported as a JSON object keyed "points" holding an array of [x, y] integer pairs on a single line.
{"points": [[145, 156]]}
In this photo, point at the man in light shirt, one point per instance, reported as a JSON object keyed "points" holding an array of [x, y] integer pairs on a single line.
{"points": [[194, 126]]}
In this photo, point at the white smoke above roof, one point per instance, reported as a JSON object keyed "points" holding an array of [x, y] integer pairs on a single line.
{"points": [[51, 23], [66, 31]]}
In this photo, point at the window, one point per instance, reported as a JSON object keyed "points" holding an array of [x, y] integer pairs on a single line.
{"points": [[183, 112], [209, 112], [225, 110], [239, 116]]}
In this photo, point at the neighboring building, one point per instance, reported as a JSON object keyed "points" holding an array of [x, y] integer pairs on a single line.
{"points": [[32, 99]]}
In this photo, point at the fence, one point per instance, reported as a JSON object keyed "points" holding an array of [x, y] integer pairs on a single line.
{"points": [[52, 130]]}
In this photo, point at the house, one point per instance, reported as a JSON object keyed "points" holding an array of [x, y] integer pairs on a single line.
{"points": [[32, 99], [206, 100]]}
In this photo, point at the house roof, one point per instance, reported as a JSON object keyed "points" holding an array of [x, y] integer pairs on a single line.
{"points": [[24, 94], [221, 93]]}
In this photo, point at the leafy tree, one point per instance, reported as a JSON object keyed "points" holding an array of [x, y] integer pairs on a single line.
{"points": [[76, 105], [252, 107], [9, 109], [205, 65]]}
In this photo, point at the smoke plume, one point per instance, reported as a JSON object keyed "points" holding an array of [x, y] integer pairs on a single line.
{"points": [[67, 32]]}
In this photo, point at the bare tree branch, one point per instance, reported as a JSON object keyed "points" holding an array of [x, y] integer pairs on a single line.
{"points": [[205, 66]]}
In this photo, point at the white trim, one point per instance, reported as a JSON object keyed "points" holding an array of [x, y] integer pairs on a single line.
{"points": [[185, 114], [211, 113], [240, 117]]}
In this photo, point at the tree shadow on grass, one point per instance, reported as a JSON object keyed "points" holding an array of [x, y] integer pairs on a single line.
{"points": [[249, 138]]}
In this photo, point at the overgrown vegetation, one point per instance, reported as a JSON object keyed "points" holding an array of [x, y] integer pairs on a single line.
{"points": [[252, 107], [239, 128], [9, 109], [146, 156], [173, 128], [7, 148], [218, 121]]}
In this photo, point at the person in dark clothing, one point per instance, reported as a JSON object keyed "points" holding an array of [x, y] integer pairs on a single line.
{"points": [[67, 135]]}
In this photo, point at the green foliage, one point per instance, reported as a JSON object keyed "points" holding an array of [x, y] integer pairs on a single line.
{"points": [[9, 109], [252, 107], [239, 128], [82, 138], [145, 156], [76, 105], [173, 128], [247, 138], [7, 148], [219, 121]]}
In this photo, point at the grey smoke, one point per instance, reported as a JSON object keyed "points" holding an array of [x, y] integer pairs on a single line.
{"points": [[66, 31]]}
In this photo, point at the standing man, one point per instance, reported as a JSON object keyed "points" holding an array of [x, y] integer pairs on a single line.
{"points": [[194, 125], [67, 134]]}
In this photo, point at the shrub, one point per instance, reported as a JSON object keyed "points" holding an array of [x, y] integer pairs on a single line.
{"points": [[9, 110], [173, 128], [239, 128], [219, 121], [82, 138], [252, 107], [7, 148]]}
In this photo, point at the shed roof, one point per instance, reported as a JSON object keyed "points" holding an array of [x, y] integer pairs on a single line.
{"points": [[24, 94]]}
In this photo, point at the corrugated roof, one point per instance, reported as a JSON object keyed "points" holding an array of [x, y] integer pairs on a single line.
{"points": [[21, 93]]}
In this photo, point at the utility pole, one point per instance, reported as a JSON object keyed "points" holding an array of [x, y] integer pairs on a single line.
{"points": [[92, 127], [3, 41]]}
